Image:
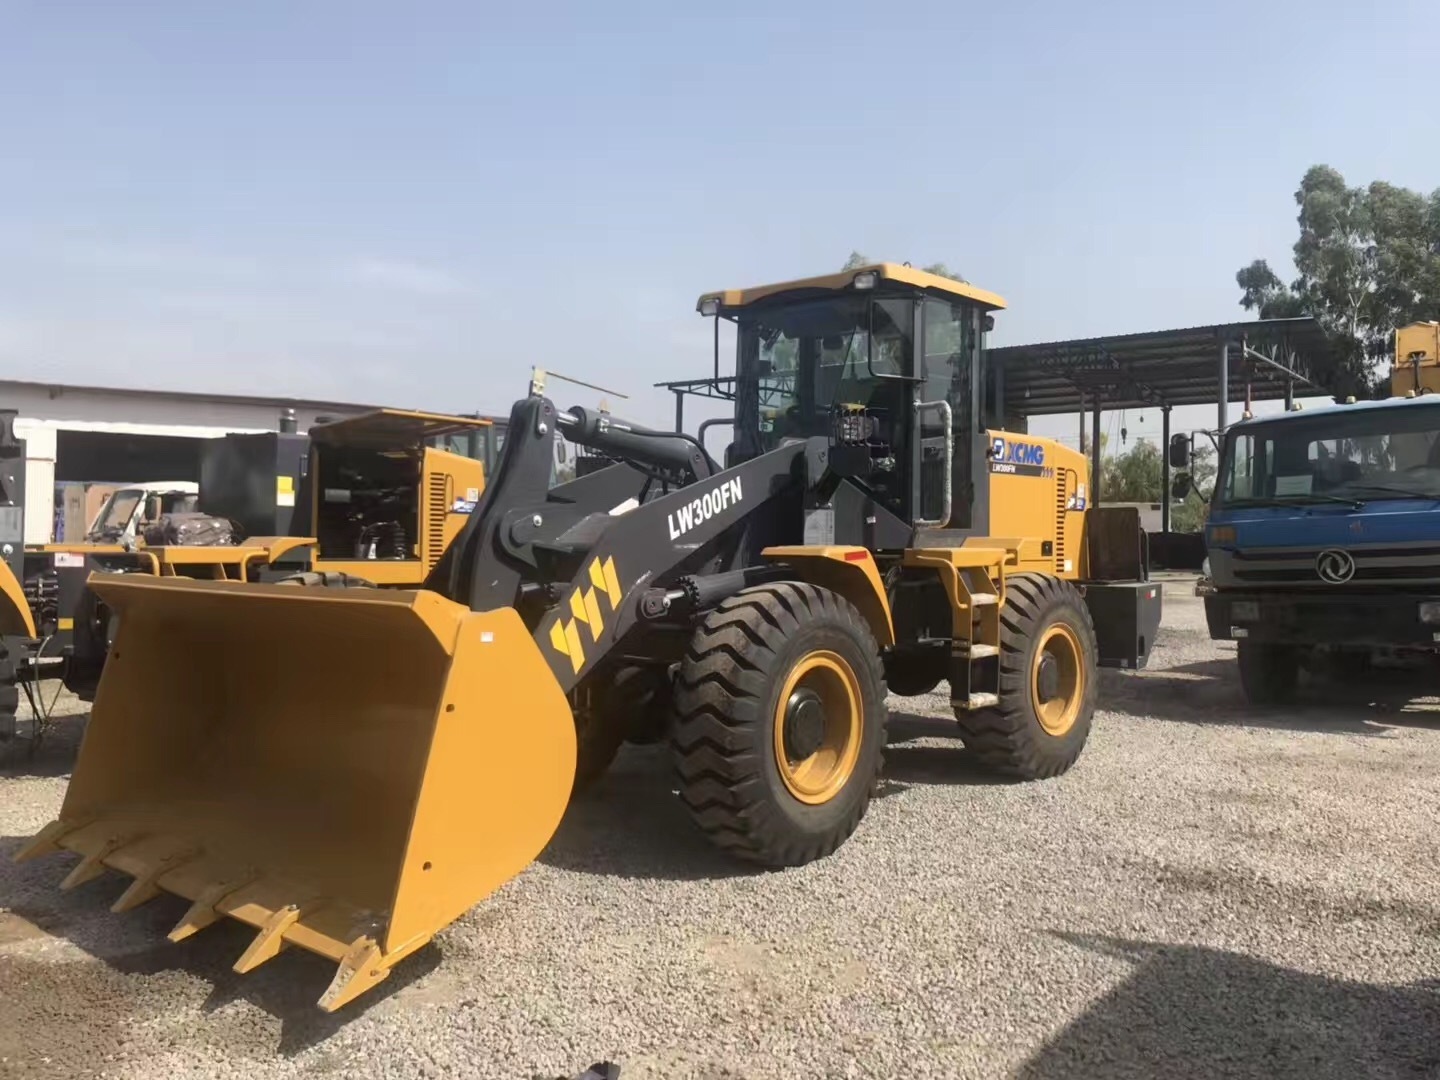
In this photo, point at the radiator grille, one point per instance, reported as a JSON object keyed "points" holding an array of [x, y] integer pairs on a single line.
{"points": [[438, 486], [1061, 504]]}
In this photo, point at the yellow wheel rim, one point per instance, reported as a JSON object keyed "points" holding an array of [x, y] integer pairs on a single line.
{"points": [[1057, 679], [818, 724]]}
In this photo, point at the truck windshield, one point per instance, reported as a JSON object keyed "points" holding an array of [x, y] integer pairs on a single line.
{"points": [[808, 357], [1364, 455], [117, 512]]}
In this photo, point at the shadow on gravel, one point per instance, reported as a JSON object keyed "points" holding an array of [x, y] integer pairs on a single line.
{"points": [[907, 765], [1189, 1012], [52, 1005], [54, 755], [631, 824], [1208, 693]]}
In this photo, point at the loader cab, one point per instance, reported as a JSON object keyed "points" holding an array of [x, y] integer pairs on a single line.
{"points": [[884, 360]]}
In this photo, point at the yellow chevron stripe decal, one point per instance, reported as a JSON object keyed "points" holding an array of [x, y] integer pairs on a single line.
{"points": [[584, 605], [592, 608], [612, 584]]}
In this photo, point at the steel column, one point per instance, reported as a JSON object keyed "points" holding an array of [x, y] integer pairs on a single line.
{"points": [[1222, 413], [679, 410], [1289, 394], [1165, 469], [1095, 453]]}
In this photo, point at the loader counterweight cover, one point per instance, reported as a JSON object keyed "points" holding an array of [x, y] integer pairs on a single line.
{"points": [[380, 762]]}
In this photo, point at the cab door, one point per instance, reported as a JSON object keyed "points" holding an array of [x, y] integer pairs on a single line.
{"points": [[952, 374]]}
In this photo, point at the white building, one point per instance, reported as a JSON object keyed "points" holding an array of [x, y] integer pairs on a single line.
{"points": [[92, 434]]}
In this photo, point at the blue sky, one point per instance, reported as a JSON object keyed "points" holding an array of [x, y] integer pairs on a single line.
{"points": [[411, 204]]}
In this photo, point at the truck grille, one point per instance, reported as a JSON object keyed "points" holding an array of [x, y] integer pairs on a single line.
{"points": [[1375, 564]]}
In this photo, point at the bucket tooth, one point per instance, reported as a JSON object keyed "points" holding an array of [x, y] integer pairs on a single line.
{"points": [[46, 841], [93, 864], [146, 885], [202, 912], [270, 939], [361, 968]]}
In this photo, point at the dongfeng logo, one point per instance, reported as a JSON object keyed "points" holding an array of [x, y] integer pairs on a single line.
{"points": [[1335, 566]]}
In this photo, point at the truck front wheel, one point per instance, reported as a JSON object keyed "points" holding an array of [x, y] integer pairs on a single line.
{"points": [[1268, 672]]}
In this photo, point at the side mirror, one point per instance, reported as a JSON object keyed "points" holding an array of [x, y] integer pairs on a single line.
{"points": [[1180, 487], [1179, 451]]}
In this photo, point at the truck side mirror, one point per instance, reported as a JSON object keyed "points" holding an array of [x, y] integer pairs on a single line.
{"points": [[1180, 487], [1179, 451]]}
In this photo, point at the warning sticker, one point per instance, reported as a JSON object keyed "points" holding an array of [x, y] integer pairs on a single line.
{"points": [[284, 491]]}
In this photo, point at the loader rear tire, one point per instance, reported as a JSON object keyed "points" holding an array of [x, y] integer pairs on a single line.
{"points": [[779, 725], [1047, 682]]}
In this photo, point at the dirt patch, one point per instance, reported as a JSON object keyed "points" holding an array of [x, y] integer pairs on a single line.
{"points": [[14, 928]]}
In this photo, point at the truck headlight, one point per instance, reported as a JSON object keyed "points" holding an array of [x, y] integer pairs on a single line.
{"points": [[1246, 610], [1430, 611]]}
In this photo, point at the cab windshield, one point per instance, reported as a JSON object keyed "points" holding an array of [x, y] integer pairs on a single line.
{"points": [[807, 358], [1361, 456]]}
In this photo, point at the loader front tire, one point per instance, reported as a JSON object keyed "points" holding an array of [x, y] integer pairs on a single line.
{"points": [[596, 744], [779, 724], [1047, 682]]}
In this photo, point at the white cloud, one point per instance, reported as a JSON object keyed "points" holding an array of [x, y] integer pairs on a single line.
{"points": [[156, 258], [403, 276]]}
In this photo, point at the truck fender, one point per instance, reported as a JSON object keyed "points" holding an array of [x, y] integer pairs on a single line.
{"points": [[849, 571]]}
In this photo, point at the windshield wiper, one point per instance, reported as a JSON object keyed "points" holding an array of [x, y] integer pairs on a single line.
{"points": [[1297, 500], [1409, 493]]}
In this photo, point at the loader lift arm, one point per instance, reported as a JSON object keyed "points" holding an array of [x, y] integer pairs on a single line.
{"points": [[582, 563]]}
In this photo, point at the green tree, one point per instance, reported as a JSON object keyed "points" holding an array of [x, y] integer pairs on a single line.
{"points": [[857, 260], [1132, 476], [1367, 261]]}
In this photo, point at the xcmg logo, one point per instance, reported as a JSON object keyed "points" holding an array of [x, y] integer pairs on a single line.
{"points": [[1017, 453]]}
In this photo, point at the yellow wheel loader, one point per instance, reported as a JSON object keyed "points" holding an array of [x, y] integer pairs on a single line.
{"points": [[348, 770]]}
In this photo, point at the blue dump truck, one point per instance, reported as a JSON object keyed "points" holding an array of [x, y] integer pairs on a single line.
{"points": [[1323, 539]]}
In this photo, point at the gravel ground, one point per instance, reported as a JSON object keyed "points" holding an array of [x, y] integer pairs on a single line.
{"points": [[1210, 891]]}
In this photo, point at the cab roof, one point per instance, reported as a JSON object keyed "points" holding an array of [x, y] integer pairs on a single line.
{"points": [[394, 427], [844, 281], [1424, 400]]}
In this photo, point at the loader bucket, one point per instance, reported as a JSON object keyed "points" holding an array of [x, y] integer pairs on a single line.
{"points": [[15, 618], [345, 770]]}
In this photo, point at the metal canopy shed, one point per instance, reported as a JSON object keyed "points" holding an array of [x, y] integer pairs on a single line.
{"points": [[1260, 360], [1197, 365]]}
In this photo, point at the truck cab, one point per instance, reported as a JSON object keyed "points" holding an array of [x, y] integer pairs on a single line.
{"points": [[1324, 538], [124, 516]]}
